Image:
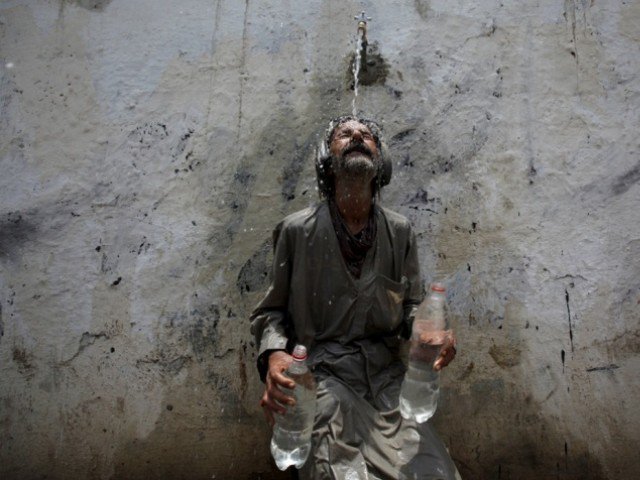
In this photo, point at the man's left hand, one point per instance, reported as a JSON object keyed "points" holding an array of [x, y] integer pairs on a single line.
{"points": [[448, 351]]}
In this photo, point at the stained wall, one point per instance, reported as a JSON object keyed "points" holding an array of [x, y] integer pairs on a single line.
{"points": [[148, 148]]}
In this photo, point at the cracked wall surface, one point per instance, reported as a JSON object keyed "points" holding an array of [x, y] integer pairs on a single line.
{"points": [[148, 148]]}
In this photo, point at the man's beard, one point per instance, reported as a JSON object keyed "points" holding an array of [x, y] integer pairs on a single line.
{"points": [[356, 165]]}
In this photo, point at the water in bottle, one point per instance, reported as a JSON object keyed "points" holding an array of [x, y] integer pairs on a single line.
{"points": [[421, 386], [291, 440]]}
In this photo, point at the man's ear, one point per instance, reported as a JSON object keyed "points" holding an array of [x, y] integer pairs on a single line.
{"points": [[386, 166]]}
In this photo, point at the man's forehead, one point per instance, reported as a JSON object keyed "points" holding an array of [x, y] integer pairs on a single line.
{"points": [[350, 125]]}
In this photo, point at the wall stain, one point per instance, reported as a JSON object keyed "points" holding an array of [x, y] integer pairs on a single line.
{"points": [[253, 275], [374, 69], [422, 7], [421, 201], [23, 360], [98, 5], [506, 356], [242, 364], [15, 231], [202, 335], [291, 172], [625, 181], [242, 69], [566, 297], [606, 368]]}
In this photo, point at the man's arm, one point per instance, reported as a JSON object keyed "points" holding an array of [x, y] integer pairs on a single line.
{"points": [[415, 289], [269, 325], [269, 319], [413, 298]]}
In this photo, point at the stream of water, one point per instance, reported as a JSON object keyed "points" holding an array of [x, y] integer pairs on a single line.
{"points": [[356, 72]]}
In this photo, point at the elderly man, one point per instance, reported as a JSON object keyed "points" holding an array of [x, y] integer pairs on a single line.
{"points": [[346, 283]]}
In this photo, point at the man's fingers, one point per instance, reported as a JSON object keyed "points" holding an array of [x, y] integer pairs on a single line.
{"points": [[282, 380], [268, 414], [269, 403], [269, 417], [445, 357], [273, 393], [281, 397]]}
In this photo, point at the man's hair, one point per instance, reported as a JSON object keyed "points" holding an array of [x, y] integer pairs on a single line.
{"points": [[326, 185]]}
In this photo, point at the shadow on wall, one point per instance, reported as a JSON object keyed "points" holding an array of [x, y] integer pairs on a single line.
{"points": [[504, 448]]}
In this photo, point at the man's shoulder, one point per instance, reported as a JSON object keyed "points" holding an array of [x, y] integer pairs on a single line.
{"points": [[395, 219], [302, 218]]}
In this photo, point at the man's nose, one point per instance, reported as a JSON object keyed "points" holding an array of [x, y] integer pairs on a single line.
{"points": [[356, 135]]}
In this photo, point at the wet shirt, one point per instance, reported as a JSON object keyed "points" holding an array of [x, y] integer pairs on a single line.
{"points": [[314, 300]]}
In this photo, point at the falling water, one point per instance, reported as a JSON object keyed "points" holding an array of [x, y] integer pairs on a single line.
{"points": [[356, 71]]}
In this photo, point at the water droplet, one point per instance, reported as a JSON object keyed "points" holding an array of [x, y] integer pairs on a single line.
{"points": [[351, 474]]}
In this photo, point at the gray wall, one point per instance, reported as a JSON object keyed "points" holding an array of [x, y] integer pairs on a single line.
{"points": [[148, 148]]}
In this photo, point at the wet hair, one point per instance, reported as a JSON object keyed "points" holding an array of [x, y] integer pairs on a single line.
{"points": [[324, 173]]}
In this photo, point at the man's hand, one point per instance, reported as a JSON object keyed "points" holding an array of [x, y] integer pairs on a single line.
{"points": [[446, 340], [273, 398], [448, 351]]}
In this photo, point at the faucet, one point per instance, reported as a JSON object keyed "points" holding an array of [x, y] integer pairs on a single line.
{"points": [[362, 34]]}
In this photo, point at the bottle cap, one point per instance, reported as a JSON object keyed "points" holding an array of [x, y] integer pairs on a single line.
{"points": [[300, 352], [438, 287]]}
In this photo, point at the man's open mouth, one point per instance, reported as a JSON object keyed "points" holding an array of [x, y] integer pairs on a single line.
{"points": [[359, 147]]}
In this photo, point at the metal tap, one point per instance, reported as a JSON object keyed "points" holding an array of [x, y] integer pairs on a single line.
{"points": [[362, 24], [362, 34]]}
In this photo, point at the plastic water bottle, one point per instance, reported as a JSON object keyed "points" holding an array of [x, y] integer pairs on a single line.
{"points": [[421, 386], [291, 440]]}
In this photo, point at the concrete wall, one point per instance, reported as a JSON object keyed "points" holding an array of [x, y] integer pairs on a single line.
{"points": [[148, 147]]}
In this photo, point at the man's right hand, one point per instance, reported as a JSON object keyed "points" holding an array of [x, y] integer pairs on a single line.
{"points": [[274, 399]]}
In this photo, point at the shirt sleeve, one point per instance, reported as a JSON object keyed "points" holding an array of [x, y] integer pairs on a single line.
{"points": [[415, 288], [269, 320]]}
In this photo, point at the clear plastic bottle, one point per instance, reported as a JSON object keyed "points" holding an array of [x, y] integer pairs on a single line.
{"points": [[291, 440], [421, 386]]}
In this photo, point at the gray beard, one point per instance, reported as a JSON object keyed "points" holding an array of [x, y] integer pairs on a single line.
{"points": [[356, 166]]}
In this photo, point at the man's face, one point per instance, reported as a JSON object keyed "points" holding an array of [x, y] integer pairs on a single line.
{"points": [[354, 150]]}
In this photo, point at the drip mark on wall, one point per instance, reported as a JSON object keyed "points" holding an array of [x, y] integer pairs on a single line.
{"points": [[606, 368], [243, 74], [566, 297], [625, 181]]}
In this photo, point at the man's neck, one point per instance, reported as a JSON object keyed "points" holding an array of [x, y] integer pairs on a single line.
{"points": [[354, 200]]}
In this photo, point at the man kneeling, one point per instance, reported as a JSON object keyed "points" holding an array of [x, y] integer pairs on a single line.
{"points": [[346, 283]]}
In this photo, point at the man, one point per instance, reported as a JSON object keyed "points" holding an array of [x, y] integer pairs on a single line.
{"points": [[346, 284]]}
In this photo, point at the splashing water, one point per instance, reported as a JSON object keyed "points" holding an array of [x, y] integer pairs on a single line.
{"points": [[356, 72]]}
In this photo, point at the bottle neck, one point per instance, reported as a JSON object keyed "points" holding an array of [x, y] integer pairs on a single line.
{"points": [[298, 366], [431, 313]]}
